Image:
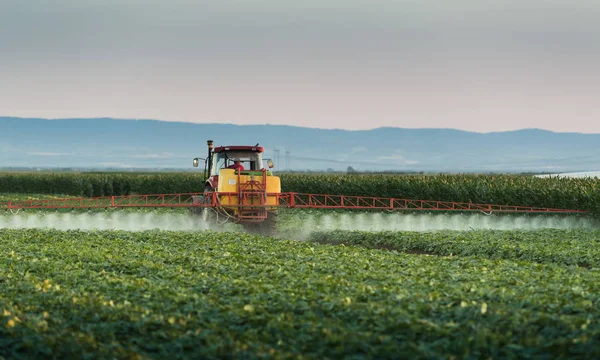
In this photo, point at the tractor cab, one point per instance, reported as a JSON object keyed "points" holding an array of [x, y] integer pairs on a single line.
{"points": [[251, 160], [224, 157]]}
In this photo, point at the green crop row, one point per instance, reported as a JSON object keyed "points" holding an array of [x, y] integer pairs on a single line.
{"points": [[579, 247], [229, 295], [5, 197], [105, 184], [554, 192], [576, 193]]}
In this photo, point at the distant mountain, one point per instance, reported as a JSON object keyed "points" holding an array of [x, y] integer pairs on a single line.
{"points": [[113, 143]]}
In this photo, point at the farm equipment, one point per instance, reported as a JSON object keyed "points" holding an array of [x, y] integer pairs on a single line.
{"points": [[245, 196], [252, 196]]}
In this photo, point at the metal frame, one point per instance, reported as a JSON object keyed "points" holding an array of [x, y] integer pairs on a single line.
{"points": [[249, 191], [297, 200], [284, 200]]}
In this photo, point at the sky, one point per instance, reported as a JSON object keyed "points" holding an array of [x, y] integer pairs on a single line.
{"points": [[478, 65]]}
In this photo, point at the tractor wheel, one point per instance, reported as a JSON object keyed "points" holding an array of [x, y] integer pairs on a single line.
{"points": [[207, 214]]}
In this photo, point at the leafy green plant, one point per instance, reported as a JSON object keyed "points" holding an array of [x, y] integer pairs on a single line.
{"points": [[579, 247], [159, 294]]}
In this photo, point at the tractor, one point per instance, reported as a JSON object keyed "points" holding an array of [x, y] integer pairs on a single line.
{"points": [[246, 195]]}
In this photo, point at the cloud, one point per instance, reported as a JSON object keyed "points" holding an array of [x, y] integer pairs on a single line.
{"points": [[397, 158], [359, 149], [391, 157], [115, 164], [48, 154], [154, 156]]}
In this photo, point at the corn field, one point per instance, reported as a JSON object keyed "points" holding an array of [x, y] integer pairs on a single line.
{"points": [[553, 192], [100, 184], [490, 189]]}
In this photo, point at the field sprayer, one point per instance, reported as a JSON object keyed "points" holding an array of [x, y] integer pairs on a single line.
{"points": [[252, 196]]}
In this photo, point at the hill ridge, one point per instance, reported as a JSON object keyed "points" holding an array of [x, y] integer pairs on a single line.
{"points": [[149, 143]]}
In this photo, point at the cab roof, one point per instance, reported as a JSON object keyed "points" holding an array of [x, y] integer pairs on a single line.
{"points": [[219, 149]]}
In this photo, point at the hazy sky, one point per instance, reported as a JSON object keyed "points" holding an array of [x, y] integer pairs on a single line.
{"points": [[481, 65]]}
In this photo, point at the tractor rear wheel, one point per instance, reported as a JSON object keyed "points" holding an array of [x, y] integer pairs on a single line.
{"points": [[207, 214]]}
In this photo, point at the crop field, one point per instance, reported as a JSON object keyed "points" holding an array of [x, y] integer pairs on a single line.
{"points": [[154, 284], [18, 196], [160, 294], [553, 192], [579, 247]]}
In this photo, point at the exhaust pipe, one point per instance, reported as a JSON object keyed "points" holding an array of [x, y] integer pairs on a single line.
{"points": [[209, 158]]}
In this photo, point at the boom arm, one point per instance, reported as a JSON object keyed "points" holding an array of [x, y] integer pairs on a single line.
{"points": [[284, 200]]}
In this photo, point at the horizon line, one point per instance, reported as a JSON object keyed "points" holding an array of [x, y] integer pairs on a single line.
{"points": [[292, 126]]}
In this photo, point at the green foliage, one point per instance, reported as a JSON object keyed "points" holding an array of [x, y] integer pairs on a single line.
{"points": [[579, 247], [229, 295], [101, 184], [5, 197], [553, 192]]}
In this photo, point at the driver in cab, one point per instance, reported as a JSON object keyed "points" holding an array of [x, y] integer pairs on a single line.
{"points": [[237, 165]]}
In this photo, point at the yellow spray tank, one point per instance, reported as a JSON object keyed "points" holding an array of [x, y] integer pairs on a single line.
{"points": [[249, 189], [247, 192]]}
